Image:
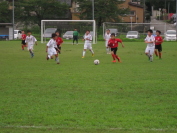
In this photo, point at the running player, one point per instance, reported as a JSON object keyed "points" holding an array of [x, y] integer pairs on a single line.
{"points": [[88, 43], [150, 41], [23, 40], [30, 41], [59, 42], [51, 49], [158, 44], [113, 44], [106, 38]]}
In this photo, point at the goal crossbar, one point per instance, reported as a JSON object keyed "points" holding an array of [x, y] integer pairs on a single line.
{"points": [[43, 27]]}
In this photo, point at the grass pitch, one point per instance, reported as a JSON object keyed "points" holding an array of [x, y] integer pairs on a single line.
{"points": [[77, 96]]}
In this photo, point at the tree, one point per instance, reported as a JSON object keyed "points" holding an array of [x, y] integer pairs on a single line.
{"points": [[33, 11], [5, 13], [105, 10]]}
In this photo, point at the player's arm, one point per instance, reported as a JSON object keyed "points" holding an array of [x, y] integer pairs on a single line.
{"points": [[47, 48]]}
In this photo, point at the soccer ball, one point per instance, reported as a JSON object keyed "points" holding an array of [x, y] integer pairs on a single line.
{"points": [[96, 62]]}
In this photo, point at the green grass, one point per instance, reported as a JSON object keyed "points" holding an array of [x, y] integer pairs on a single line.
{"points": [[77, 96]]}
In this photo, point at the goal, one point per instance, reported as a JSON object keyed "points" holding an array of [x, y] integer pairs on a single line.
{"points": [[124, 29], [66, 28]]}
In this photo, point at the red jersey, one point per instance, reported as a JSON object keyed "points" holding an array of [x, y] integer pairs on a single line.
{"points": [[23, 36], [59, 41], [159, 39], [113, 43]]}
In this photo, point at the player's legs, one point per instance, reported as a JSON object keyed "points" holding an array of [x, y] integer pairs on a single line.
{"points": [[74, 39], [147, 52], [89, 46], [30, 49], [23, 44], [59, 49], [77, 40], [84, 52], [151, 52], [160, 51], [113, 55], [57, 59], [107, 48]]}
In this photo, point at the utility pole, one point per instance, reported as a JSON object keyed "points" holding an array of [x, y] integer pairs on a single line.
{"points": [[144, 11], [93, 8], [176, 18], [13, 18]]}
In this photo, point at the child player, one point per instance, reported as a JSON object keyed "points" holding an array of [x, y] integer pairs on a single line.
{"points": [[30, 40], [59, 42], [23, 40], [150, 40], [88, 43], [51, 48], [158, 44], [113, 44], [106, 38]]}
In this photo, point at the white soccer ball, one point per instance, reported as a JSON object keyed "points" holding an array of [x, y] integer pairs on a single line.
{"points": [[96, 62]]}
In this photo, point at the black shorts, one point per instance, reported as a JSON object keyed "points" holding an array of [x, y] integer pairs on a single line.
{"points": [[159, 47], [114, 50], [23, 42], [59, 47]]}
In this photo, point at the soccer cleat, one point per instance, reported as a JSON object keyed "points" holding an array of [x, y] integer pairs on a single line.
{"points": [[82, 56], [58, 63], [114, 61], [92, 55], [32, 55], [47, 58]]}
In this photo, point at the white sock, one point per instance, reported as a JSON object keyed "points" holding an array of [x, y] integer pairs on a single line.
{"points": [[107, 50], [49, 56], [84, 53], [57, 59], [151, 58], [91, 50]]}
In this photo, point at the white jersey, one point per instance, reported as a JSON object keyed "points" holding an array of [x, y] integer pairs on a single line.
{"points": [[88, 37], [107, 36], [30, 40], [150, 39], [52, 44]]}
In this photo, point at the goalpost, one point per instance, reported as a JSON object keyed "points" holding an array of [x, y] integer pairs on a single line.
{"points": [[69, 25]]}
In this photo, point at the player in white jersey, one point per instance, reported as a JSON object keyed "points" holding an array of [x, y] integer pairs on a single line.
{"points": [[30, 41], [51, 48], [88, 43], [107, 37], [150, 41]]}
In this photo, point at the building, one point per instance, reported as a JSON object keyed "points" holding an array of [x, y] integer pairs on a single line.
{"points": [[6, 31], [136, 14]]}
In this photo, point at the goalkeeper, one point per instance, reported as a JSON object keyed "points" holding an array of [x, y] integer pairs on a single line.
{"points": [[75, 36]]}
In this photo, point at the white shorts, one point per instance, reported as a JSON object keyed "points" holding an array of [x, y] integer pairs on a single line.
{"points": [[51, 51], [149, 50], [106, 43], [87, 46], [30, 46]]}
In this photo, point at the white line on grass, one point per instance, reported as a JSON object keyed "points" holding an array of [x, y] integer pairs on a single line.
{"points": [[57, 127]]}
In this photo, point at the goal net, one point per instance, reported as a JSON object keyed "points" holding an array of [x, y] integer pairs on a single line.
{"points": [[133, 30], [66, 28]]}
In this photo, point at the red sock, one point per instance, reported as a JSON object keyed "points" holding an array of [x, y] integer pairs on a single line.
{"points": [[113, 56], [156, 53], [22, 47], [160, 55], [117, 57]]}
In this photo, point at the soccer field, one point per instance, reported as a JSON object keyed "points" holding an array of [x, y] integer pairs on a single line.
{"points": [[77, 96]]}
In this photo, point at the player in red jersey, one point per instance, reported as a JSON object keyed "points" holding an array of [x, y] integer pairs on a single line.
{"points": [[113, 44], [158, 44], [59, 42], [23, 40]]}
